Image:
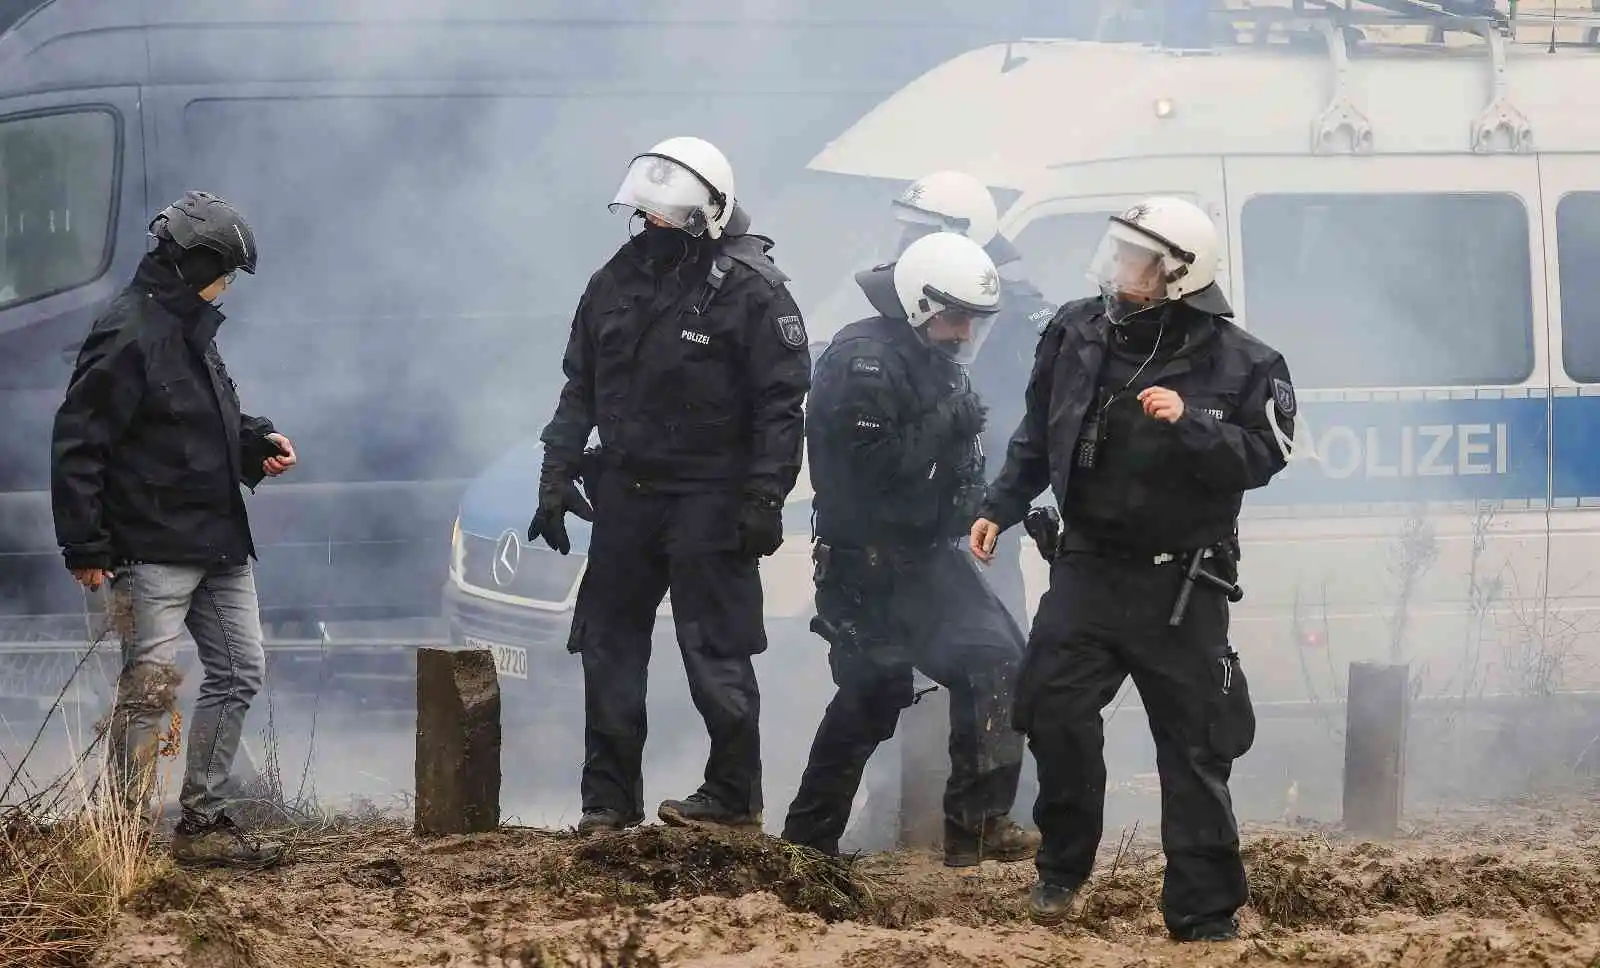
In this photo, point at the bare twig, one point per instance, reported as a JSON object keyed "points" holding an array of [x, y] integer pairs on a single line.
{"points": [[1415, 551], [45, 721]]}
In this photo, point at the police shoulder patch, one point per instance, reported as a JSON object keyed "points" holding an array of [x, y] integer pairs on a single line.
{"points": [[791, 330], [1283, 396], [866, 366]]}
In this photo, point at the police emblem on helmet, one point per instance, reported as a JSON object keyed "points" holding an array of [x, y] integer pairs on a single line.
{"points": [[1136, 213], [913, 194], [660, 171], [989, 282]]}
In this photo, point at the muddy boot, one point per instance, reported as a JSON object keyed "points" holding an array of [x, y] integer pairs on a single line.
{"points": [[603, 822], [1226, 929], [1000, 839], [699, 810], [1051, 904], [221, 844]]}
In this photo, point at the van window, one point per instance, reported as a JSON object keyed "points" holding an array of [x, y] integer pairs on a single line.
{"points": [[1056, 250], [57, 180], [1578, 262], [1398, 290]]}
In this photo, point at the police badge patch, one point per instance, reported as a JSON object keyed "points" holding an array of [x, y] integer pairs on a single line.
{"points": [[792, 331], [866, 365], [1283, 396]]}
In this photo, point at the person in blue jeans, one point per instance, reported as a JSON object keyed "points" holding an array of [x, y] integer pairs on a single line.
{"points": [[149, 448]]}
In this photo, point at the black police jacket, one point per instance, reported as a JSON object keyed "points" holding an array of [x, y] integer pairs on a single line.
{"points": [[1005, 360], [149, 446], [884, 468], [1180, 485], [695, 382]]}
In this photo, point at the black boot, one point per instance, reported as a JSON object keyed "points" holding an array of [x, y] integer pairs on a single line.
{"points": [[1225, 929], [604, 821], [699, 810], [1051, 904]]}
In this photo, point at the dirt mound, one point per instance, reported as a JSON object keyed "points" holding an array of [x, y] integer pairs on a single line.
{"points": [[1310, 881], [651, 864], [655, 897]]}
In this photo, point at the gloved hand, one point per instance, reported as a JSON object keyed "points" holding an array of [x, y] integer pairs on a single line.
{"points": [[760, 525], [963, 414], [558, 494]]}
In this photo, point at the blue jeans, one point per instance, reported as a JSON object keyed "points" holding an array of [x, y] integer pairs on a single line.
{"points": [[151, 607]]}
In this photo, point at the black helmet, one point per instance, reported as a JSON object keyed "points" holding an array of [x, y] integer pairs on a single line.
{"points": [[202, 219]]}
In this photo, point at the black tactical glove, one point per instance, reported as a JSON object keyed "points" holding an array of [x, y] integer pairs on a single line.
{"points": [[760, 524], [963, 414], [558, 494]]}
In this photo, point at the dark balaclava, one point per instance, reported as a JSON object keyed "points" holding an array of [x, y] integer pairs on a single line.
{"points": [[198, 267], [668, 249]]}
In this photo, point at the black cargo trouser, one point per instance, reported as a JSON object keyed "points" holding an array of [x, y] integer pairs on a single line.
{"points": [[932, 611], [643, 544], [1102, 620]]}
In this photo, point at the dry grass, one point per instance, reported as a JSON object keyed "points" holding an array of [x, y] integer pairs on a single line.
{"points": [[63, 880], [69, 859]]}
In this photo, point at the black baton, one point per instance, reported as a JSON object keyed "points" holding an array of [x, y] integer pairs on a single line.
{"points": [[1196, 572]]}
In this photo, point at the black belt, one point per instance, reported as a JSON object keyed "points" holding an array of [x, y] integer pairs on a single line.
{"points": [[1073, 541]]}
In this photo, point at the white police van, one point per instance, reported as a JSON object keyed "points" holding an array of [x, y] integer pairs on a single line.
{"points": [[1410, 205]]}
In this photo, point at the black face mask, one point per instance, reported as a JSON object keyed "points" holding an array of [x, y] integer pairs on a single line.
{"points": [[666, 246], [1142, 331]]}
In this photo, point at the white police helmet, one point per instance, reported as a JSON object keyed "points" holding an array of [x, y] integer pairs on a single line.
{"points": [[1161, 250], [685, 182], [948, 201], [949, 274]]}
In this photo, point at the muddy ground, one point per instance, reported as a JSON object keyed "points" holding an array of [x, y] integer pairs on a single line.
{"points": [[1510, 884]]}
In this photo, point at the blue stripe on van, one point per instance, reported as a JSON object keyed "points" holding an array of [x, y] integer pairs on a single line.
{"points": [[1426, 450], [1577, 438]]}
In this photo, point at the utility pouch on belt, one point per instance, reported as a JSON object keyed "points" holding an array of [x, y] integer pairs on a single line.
{"points": [[1043, 525]]}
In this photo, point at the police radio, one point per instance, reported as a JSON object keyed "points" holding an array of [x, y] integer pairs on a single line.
{"points": [[1093, 434]]}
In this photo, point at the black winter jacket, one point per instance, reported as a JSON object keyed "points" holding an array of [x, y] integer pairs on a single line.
{"points": [[1176, 486], [885, 468], [149, 446], [692, 386]]}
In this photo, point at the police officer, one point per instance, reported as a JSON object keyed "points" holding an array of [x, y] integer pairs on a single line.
{"points": [[688, 354], [954, 201], [898, 474], [1150, 414]]}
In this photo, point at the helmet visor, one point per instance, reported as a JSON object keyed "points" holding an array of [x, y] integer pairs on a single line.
{"points": [[899, 235], [665, 189], [959, 331], [1128, 265]]}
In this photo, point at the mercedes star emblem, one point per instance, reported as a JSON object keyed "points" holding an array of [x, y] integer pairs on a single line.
{"points": [[507, 556]]}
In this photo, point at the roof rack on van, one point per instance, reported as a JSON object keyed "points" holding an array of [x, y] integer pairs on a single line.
{"points": [[1285, 20], [1342, 127]]}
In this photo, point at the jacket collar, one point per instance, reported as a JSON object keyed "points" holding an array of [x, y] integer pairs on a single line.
{"points": [[200, 320]]}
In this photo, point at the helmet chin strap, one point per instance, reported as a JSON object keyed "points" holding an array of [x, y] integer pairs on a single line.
{"points": [[1116, 303]]}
